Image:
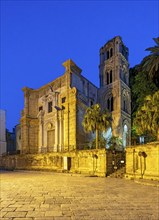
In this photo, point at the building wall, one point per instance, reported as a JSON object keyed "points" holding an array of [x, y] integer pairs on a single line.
{"points": [[2, 132], [143, 161]]}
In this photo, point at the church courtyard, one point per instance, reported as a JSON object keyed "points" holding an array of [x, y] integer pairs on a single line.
{"points": [[32, 195]]}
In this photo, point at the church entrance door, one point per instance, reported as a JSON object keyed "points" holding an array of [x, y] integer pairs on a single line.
{"points": [[50, 140]]}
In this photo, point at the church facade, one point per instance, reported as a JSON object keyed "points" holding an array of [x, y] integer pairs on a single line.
{"points": [[51, 120]]}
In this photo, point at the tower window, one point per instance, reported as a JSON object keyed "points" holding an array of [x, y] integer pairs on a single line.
{"points": [[125, 106], [49, 107], [112, 104], [107, 54], [108, 104], [111, 76], [107, 78], [111, 52], [63, 99]]}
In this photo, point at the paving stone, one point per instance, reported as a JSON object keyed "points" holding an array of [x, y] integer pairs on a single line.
{"points": [[44, 206], [8, 209], [15, 214], [53, 213], [15, 205], [24, 209], [55, 207], [2, 214], [67, 213], [35, 214]]}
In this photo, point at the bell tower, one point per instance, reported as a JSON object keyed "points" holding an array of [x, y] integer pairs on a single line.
{"points": [[114, 92]]}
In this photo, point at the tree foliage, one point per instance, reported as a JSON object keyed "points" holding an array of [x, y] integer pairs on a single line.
{"points": [[142, 87], [147, 117], [144, 81], [115, 143], [96, 120], [150, 64]]}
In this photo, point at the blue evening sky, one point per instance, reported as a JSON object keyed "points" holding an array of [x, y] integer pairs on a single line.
{"points": [[38, 36]]}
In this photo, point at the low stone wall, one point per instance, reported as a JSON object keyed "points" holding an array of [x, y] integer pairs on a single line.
{"points": [[143, 161], [92, 162]]}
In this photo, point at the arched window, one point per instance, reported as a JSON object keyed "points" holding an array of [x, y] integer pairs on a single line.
{"points": [[125, 104], [107, 78], [125, 135], [112, 104], [108, 104], [111, 52], [108, 54], [111, 76], [49, 107]]}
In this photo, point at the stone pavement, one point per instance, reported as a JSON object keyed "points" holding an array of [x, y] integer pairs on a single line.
{"points": [[51, 196]]}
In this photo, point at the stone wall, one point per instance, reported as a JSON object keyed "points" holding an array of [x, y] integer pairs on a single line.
{"points": [[143, 161], [89, 162]]}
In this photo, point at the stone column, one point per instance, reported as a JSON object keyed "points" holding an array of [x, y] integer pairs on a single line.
{"points": [[56, 132], [41, 130], [59, 132], [62, 130]]}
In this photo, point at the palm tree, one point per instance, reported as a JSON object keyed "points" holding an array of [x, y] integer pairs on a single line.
{"points": [[95, 120], [147, 117], [150, 64]]}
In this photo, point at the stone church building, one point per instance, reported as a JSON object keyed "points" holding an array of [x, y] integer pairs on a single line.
{"points": [[52, 117]]}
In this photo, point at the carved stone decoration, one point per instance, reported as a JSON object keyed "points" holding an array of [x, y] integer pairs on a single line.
{"points": [[73, 90], [50, 98], [49, 126], [43, 99]]}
